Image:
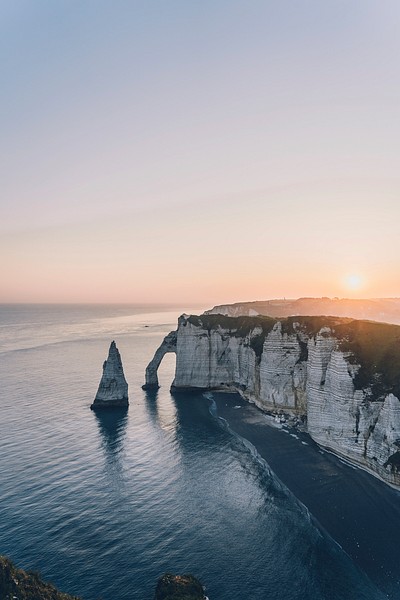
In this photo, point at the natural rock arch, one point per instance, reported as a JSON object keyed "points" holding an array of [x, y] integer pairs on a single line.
{"points": [[168, 345]]}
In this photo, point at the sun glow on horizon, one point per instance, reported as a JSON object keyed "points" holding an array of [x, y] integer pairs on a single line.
{"points": [[160, 167], [354, 282]]}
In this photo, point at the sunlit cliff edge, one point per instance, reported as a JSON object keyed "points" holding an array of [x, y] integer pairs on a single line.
{"points": [[375, 309], [339, 375]]}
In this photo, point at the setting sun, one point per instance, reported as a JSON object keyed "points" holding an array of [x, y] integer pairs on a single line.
{"points": [[354, 281]]}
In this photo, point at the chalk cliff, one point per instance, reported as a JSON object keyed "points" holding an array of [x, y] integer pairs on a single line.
{"points": [[113, 388], [340, 375]]}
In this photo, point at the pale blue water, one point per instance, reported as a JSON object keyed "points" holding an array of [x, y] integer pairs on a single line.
{"points": [[102, 505]]}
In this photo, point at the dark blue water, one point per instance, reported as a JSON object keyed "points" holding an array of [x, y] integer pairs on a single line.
{"points": [[102, 505]]}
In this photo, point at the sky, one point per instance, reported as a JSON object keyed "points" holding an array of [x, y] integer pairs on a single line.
{"points": [[184, 151]]}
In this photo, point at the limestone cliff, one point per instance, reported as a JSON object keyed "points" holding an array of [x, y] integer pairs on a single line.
{"points": [[113, 388], [341, 375]]}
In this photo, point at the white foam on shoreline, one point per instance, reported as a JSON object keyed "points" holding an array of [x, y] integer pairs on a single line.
{"points": [[322, 450]]}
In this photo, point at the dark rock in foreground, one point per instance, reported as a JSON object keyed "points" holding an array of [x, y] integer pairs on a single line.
{"points": [[26, 585], [179, 587], [17, 584], [113, 388]]}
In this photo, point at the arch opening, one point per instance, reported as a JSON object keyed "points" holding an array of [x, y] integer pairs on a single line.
{"points": [[166, 369], [168, 345]]}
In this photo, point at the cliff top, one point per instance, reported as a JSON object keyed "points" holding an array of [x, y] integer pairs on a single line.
{"points": [[374, 346]]}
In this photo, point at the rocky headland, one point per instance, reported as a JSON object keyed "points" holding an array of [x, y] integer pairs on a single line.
{"points": [[340, 377], [375, 309], [113, 387]]}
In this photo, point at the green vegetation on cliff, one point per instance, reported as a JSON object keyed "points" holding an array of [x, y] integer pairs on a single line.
{"points": [[26, 585], [239, 326], [376, 347], [179, 587], [372, 345]]}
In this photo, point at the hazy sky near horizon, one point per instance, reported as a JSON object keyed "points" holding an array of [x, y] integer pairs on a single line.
{"points": [[213, 151]]}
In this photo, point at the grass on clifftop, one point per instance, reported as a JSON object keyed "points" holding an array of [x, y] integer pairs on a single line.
{"points": [[26, 585], [239, 326], [242, 326], [375, 346], [372, 345]]}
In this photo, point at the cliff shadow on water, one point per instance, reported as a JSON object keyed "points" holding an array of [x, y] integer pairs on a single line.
{"points": [[112, 426], [151, 404]]}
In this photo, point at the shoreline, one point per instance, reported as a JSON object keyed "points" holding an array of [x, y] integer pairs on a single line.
{"points": [[359, 511], [294, 420], [357, 465]]}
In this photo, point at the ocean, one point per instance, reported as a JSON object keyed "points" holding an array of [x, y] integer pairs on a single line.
{"points": [[103, 504]]}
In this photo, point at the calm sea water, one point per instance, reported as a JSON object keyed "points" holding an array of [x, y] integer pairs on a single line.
{"points": [[102, 505]]}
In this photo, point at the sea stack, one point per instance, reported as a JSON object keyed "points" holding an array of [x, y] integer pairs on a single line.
{"points": [[113, 388]]}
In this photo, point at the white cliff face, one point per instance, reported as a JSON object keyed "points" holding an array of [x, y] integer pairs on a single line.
{"points": [[296, 372], [233, 310], [330, 393], [220, 359], [192, 356], [282, 372], [213, 359], [113, 388], [345, 419], [383, 444]]}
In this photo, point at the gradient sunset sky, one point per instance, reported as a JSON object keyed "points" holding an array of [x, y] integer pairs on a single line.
{"points": [[199, 151]]}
